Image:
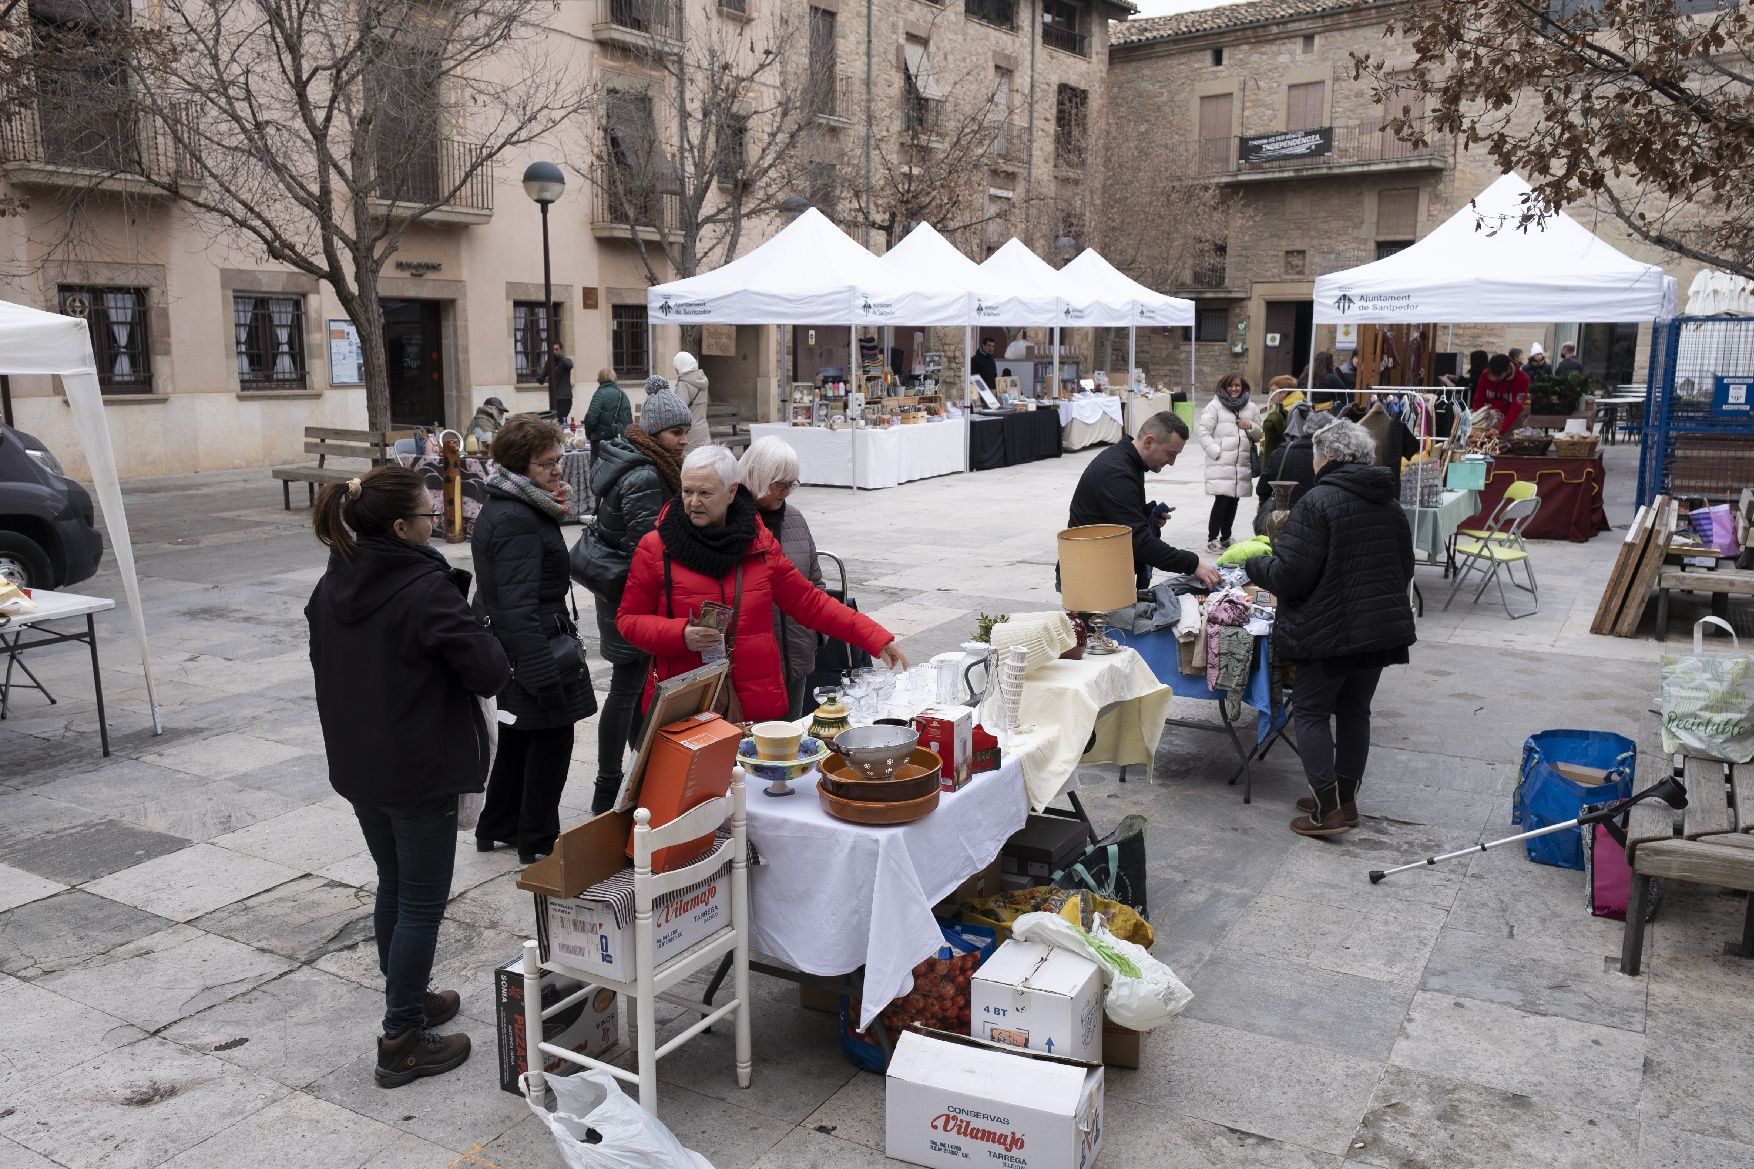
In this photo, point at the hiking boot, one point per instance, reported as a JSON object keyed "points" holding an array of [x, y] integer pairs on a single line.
{"points": [[1348, 802], [1326, 818], [442, 1006], [418, 1052]]}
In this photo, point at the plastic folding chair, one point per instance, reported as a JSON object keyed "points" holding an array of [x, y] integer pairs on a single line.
{"points": [[1500, 549]]}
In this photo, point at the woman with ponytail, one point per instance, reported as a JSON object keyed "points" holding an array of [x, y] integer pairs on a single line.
{"points": [[399, 662]]}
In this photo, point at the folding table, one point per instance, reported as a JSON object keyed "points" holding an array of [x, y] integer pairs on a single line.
{"points": [[53, 606]]}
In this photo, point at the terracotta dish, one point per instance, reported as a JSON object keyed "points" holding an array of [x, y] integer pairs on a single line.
{"points": [[860, 812]]}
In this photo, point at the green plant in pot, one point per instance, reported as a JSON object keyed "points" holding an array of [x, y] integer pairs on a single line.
{"points": [[1559, 394]]}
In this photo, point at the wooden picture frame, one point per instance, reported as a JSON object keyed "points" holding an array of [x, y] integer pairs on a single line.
{"points": [[674, 699]]}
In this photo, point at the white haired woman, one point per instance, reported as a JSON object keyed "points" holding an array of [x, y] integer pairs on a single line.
{"points": [[1340, 571], [710, 547], [769, 470]]}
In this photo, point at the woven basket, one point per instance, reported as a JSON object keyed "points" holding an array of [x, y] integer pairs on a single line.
{"points": [[1575, 446], [1527, 447]]}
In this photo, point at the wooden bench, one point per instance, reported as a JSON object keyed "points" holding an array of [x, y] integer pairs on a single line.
{"points": [[327, 442], [725, 423], [1722, 583], [1715, 847]]}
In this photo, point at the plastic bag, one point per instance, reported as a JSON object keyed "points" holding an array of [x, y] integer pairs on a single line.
{"points": [[1708, 700], [591, 1103], [1142, 993], [1544, 796], [469, 804], [939, 996], [1716, 526]]}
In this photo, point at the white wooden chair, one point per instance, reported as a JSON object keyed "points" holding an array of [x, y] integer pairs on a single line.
{"points": [[652, 981]]}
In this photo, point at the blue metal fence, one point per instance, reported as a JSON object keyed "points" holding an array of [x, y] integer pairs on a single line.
{"points": [[1699, 410]]}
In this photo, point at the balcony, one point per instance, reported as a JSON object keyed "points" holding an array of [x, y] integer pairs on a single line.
{"points": [[627, 208], [409, 178], [1010, 144], [639, 24], [1065, 39], [1360, 147], [999, 13], [835, 100], [78, 145], [922, 118]]}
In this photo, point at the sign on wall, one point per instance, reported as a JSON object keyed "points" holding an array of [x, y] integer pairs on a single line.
{"points": [[1733, 397], [718, 340], [346, 359], [1285, 144]]}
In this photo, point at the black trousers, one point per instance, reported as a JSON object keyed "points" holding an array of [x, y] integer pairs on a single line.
{"points": [[523, 793], [617, 728], [1332, 715], [1223, 517]]}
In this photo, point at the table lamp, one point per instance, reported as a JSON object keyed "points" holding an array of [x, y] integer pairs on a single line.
{"points": [[1096, 576]]}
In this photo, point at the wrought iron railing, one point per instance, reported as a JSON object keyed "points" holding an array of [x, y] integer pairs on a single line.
{"points": [[829, 95], [439, 170], [622, 200], [113, 137], [1355, 144], [1069, 40], [998, 12], [921, 116], [658, 18], [1011, 142]]}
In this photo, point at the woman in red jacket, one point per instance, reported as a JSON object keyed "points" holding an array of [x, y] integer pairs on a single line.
{"points": [[709, 546]]}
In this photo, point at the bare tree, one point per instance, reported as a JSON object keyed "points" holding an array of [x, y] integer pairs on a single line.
{"points": [[324, 131], [1644, 106]]}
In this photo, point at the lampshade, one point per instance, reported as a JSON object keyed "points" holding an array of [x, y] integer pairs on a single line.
{"points": [[1096, 568], [544, 182]]}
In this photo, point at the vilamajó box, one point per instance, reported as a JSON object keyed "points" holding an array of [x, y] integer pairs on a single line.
{"points": [[955, 1102], [589, 934], [1040, 997]]}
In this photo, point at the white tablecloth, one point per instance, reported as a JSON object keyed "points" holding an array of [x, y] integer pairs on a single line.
{"points": [[1088, 421], [878, 457], [1116, 695], [830, 896], [1091, 410], [1139, 409]]}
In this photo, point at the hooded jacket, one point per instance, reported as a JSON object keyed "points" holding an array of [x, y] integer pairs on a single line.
{"points": [[691, 387], [1227, 447], [1342, 568], [399, 660], [630, 492]]}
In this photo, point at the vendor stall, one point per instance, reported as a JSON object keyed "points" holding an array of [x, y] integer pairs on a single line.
{"points": [[1005, 438], [1570, 490], [1089, 419], [872, 457]]}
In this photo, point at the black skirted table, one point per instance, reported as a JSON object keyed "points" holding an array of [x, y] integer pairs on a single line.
{"points": [[1009, 437]]}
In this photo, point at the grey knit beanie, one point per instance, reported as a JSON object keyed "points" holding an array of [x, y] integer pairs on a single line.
{"points": [[663, 410]]}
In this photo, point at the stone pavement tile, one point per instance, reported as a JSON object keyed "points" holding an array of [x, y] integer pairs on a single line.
{"points": [[1699, 1054], [729, 1133], [84, 852], [1152, 1141], [135, 1107], [223, 755], [306, 736], [166, 976], [184, 885], [1420, 1119], [1692, 924], [306, 838], [474, 868], [526, 1145], [1536, 976], [295, 1029], [466, 958], [854, 1113], [361, 871], [1388, 943], [1287, 1091], [67, 929], [169, 801], [299, 1132], [24, 816], [16, 1156], [496, 903], [458, 1110], [303, 779], [1507, 895], [118, 780], [47, 1033], [1336, 875], [18, 887], [1559, 1061], [1272, 997], [806, 1149], [302, 919], [1668, 1146]]}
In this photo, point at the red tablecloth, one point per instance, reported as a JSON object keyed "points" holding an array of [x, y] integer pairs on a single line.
{"points": [[1570, 491]]}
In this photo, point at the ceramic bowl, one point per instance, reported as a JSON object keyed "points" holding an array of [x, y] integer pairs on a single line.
{"points": [[876, 751], [810, 753], [776, 742]]}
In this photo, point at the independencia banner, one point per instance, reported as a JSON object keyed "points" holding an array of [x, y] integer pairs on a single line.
{"points": [[1285, 144]]}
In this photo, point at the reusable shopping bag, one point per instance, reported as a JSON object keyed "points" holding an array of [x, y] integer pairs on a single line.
{"points": [[1708, 699], [1544, 796], [590, 1104]]}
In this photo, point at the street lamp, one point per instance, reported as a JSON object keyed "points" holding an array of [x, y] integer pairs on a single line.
{"points": [[794, 206], [544, 182], [1067, 247]]}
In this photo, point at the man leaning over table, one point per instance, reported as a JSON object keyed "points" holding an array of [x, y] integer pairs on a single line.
{"points": [[1112, 491]]}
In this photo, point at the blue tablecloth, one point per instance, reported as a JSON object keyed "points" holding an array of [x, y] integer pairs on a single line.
{"points": [[1159, 649]]}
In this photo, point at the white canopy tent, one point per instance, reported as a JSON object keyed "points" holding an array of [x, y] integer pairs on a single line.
{"points": [[1090, 280], [1019, 287], [36, 342]]}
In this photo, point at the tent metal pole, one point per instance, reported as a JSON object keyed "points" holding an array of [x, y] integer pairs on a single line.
{"points": [[1132, 361], [1056, 359], [855, 379], [785, 375]]}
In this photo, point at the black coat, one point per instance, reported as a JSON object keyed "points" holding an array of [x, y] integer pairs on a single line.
{"points": [[630, 492], [399, 660], [1295, 461], [1112, 491], [1342, 568], [522, 580], [984, 366]]}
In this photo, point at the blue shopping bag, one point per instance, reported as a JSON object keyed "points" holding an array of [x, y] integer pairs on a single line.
{"points": [[1544, 796]]}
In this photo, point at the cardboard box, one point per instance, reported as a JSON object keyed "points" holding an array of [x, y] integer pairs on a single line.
{"points": [[954, 1102], [1577, 773], [986, 751], [690, 763], [818, 998], [583, 856], [1122, 1047], [1039, 997], [949, 732], [982, 885], [582, 932], [1044, 846], [587, 1027]]}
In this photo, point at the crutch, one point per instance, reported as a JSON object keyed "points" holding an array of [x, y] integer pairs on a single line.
{"points": [[1669, 791]]}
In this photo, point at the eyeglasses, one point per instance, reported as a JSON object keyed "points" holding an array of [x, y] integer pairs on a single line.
{"points": [[783, 484], [434, 516], [547, 464]]}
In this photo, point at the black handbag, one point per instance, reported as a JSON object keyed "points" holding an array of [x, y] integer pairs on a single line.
{"points": [[569, 654], [599, 566]]}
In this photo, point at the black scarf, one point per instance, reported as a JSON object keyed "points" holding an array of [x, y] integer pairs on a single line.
{"points": [[773, 520], [712, 552]]}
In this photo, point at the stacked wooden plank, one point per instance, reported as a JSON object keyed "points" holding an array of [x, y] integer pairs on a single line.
{"points": [[1636, 569]]}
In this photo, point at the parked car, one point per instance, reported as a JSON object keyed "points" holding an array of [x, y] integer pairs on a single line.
{"points": [[48, 539]]}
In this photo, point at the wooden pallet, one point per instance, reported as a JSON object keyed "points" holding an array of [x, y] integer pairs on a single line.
{"points": [[1637, 567], [1614, 594]]}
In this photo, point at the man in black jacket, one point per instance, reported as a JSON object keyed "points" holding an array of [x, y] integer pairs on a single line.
{"points": [[984, 366], [1112, 491], [1341, 572]]}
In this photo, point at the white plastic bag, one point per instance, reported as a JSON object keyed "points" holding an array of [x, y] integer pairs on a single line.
{"points": [[469, 804], [591, 1102], [1142, 993]]}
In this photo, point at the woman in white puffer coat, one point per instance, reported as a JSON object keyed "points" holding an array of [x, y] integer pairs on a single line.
{"points": [[1229, 427]]}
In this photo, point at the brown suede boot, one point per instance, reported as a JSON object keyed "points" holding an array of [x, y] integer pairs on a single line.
{"points": [[1325, 819], [442, 1006], [418, 1052], [1348, 802]]}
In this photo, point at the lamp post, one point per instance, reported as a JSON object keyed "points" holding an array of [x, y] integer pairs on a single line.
{"points": [[791, 207], [544, 182], [1067, 247]]}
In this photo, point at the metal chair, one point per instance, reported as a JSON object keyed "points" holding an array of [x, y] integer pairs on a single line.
{"points": [[1518, 489], [651, 981], [1500, 548]]}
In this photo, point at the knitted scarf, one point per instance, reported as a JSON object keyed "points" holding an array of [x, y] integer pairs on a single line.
{"points": [[522, 488], [669, 466], [712, 552], [1233, 400], [773, 520]]}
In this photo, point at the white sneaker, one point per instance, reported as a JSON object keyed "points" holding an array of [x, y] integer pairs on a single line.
{"points": [[1214, 546], [1226, 542]]}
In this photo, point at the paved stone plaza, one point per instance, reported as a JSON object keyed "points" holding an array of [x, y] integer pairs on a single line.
{"points": [[187, 977]]}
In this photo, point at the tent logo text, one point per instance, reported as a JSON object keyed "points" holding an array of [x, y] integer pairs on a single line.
{"points": [[682, 308], [879, 309]]}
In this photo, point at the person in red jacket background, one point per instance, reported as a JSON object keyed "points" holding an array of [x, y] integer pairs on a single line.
{"points": [[707, 546], [1505, 388]]}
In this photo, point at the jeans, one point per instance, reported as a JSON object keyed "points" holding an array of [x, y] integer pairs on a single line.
{"points": [[1318, 698], [523, 793], [415, 847], [1223, 517], [617, 724]]}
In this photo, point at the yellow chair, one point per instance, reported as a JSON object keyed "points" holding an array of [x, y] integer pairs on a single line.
{"points": [[1518, 489], [1500, 548]]}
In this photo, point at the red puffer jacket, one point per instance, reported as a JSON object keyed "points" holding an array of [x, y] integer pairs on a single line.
{"points": [[769, 579]]}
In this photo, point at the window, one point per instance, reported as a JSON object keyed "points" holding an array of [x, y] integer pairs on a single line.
{"points": [[1059, 27], [922, 100], [733, 147], [270, 335], [1296, 261], [1307, 45], [1002, 13], [820, 94], [1007, 138], [1217, 57], [1397, 219], [629, 348], [530, 338], [1071, 118], [116, 318], [1388, 247], [1212, 266], [1211, 324], [1306, 106], [1217, 152], [85, 117]]}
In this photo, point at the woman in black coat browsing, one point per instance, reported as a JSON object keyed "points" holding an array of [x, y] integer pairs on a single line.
{"points": [[400, 662], [522, 585], [1341, 572]]}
